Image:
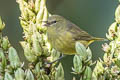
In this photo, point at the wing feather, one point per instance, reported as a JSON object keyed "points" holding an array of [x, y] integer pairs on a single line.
{"points": [[77, 33]]}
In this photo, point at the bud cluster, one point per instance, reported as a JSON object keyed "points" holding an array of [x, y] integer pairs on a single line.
{"points": [[37, 49], [109, 68], [82, 62]]}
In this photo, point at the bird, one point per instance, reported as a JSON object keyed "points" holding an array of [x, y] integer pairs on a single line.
{"points": [[63, 35]]}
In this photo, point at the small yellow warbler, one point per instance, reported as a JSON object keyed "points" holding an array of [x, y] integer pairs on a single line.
{"points": [[63, 34]]}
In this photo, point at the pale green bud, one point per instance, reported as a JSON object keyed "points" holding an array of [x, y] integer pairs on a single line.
{"points": [[37, 5], [3, 63], [2, 25], [54, 55], [46, 51], [37, 67], [106, 47], [112, 31], [94, 76], [77, 62], [23, 8], [107, 59], [31, 14], [36, 45], [25, 14], [39, 16], [87, 73], [59, 74], [42, 3], [24, 24], [99, 69], [108, 36], [117, 14], [13, 57], [46, 77], [113, 46], [29, 54], [81, 50], [117, 58], [118, 33], [8, 76], [89, 54], [45, 17], [117, 62], [115, 71], [19, 74], [29, 75], [9, 69], [5, 43]]}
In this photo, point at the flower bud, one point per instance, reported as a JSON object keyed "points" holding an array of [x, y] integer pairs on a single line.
{"points": [[31, 14], [81, 50], [19, 74], [39, 16], [45, 77], [29, 75], [106, 47], [2, 25], [112, 31], [59, 74], [99, 69], [3, 63], [37, 5], [5, 43], [8, 76], [87, 73], [117, 14], [77, 62], [89, 54], [37, 67], [28, 52], [36, 45], [13, 57], [54, 55]]}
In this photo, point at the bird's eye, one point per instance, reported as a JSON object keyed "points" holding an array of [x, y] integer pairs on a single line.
{"points": [[54, 21]]}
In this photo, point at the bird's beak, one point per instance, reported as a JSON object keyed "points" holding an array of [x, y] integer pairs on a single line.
{"points": [[46, 23]]}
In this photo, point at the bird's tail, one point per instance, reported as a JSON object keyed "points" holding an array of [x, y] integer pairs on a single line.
{"points": [[99, 39]]}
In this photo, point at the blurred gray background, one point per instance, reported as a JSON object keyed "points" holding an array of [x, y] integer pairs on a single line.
{"points": [[94, 16]]}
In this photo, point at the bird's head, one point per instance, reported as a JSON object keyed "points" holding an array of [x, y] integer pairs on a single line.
{"points": [[55, 21]]}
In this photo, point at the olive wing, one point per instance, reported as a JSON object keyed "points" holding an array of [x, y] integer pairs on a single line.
{"points": [[77, 33]]}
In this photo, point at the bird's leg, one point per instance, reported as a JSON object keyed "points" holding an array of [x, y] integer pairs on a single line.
{"points": [[47, 65], [62, 56]]}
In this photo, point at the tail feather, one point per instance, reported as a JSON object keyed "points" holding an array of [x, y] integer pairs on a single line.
{"points": [[99, 39]]}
